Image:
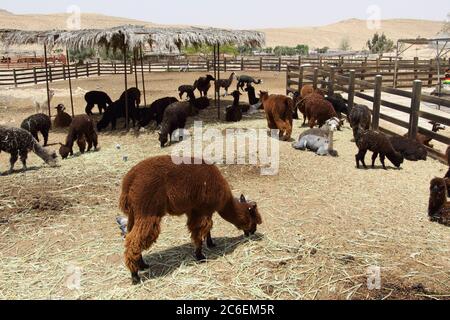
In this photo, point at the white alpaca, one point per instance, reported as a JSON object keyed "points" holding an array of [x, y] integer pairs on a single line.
{"points": [[42, 104]]}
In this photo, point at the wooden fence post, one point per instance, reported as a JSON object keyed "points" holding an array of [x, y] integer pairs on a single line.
{"points": [[50, 73], [115, 67], [224, 64], [363, 71], [76, 71], [64, 72], [168, 65], [430, 75], [35, 75], [316, 78], [415, 108], [208, 68], [331, 82], [351, 90], [99, 72], [377, 103], [288, 79], [15, 77], [261, 64], [416, 66], [242, 63], [87, 69], [279, 64], [149, 67], [301, 73]]}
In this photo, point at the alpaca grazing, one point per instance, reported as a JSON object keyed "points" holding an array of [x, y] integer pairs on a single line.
{"points": [[203, 84], [360, 117], [319, 140], [318, 110], [439, 207], [38, 123], [186, 89], [379, 144], [99, 98], [81, 130], [118, 110], [246, 80], [155, 112], [41, 105], [62, 119], [279, 110], [224, 83], [176, 115], [157, 187], [410, 149], [234, 112], [19, 142]]}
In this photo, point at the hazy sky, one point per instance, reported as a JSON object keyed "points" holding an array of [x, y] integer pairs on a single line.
{"points": [[241, 13]]}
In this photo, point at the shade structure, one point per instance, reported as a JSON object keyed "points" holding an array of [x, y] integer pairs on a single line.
{"points": [[164, 40]]}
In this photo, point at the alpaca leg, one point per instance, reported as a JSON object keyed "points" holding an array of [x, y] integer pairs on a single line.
{"points": [[312, 122], [113, 123], [95, 140], [45, 135], [23, 157], [35, 135], [200, 226], [360, 157], [209, 241], [13, 160], [144, 233], [374, 158], [89, 108], [383, 160]]}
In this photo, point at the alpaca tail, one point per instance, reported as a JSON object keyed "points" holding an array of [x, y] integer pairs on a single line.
{"points": [[44, 154]]}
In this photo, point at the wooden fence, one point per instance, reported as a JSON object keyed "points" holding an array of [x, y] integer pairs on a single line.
{"points": [[352, 85], [397, 75]]}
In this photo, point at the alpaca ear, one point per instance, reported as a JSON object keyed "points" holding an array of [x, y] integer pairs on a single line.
{"points": [[243, 200]]}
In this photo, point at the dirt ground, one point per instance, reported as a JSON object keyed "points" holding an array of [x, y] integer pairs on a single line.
{"points": [[326, 224]]}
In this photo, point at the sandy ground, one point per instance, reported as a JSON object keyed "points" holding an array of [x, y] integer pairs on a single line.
{"points": [[325, 222]]}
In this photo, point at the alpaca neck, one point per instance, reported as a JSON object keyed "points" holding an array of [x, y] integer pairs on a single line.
{"points": [[41, 152], [231, 213], [236, 101]]}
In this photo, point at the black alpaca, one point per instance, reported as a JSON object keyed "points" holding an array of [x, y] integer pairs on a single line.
{"points": [[251, 95], [246, 80], [118, 110], [38, 123], [99, 98], [234, 112], [155, 112]]}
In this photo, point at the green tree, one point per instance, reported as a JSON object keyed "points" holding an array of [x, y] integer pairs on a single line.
{"points": [[345, 44], [323, 50], [380, 44]]}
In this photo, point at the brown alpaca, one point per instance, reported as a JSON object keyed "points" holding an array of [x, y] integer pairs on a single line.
{"points": [[318, 110], [307, 92], [279, 113], [157, 187], [426, 140], [438, 207], [62, 119], [82, 131]]}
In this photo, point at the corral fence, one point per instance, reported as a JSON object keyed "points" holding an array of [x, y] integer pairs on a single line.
{"points": [[397, 74], [332, 79]]}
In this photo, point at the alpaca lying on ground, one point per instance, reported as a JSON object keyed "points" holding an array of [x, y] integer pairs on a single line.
{"points": [[438, 207], [155, 112], [234, 112], [410, 149], [41, 105], [360, 117], [224, 83], [118, 110], [99, 98], [279, 110], [246, 80], [81, 130], [18, 142], [38, 123], [186, 89], [319, 140], [379, 144], [426, 140], [203, 84], [157, 187], [62, 119]]}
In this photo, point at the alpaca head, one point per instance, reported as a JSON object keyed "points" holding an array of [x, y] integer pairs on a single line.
{"points": [[252, 218], [236, 94], [163, 139], [52, 160], [396, 158], [60, 107], [210, 78], [263, 95], [333, 124], [437, 126], [64, 151], [51, 93]]}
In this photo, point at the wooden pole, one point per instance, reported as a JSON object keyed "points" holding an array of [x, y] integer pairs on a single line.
{"points": [[351, 90], [377, 103], [70, 83], [300, 79], [218, 78], [331, 82], [46, 80], [415, 107], [124, 50], [316, 78], [135, 67], [142, 73], [15, 77]]}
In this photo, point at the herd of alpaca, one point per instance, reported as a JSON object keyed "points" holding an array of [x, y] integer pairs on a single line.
{"points": [[157, 187]]}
